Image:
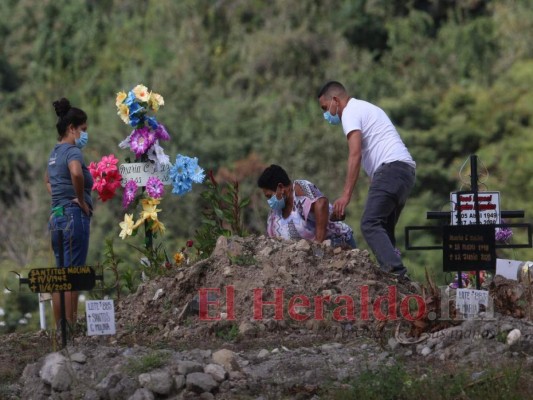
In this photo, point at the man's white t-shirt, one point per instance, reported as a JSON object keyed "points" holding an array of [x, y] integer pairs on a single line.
{"points": [[381, 143]]}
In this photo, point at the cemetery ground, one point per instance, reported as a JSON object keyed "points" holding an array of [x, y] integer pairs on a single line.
{"points": [[164, 350]]}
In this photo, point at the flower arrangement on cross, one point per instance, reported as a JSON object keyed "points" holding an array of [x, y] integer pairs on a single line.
{"points": [[151, 171]]}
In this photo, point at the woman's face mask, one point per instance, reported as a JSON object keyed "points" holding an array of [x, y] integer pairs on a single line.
{"points": [[82, 141], [275, 203]]}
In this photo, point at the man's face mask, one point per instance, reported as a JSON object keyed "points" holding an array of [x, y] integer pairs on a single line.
{"points": [[332, 119]]}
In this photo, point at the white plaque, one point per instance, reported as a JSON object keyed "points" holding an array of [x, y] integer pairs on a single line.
{"points": [[468, 301], [508, 268], [488, 206], [141, 172], [100, 317]]}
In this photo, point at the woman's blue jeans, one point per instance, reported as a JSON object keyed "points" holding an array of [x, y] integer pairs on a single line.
{"points": [[75, 227], [391, 185]]}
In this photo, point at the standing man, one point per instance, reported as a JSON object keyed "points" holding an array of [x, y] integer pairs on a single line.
{"points": [[374, 142]]}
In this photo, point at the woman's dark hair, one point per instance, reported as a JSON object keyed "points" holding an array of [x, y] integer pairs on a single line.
{"points": [[272, 176], [66, 115]]}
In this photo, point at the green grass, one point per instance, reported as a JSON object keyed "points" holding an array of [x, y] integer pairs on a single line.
{"points": [[228, 333], [147, 362], [510, 382]]}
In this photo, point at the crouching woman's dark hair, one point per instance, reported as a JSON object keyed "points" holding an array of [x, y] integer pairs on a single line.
{"points": [[272, 176]]}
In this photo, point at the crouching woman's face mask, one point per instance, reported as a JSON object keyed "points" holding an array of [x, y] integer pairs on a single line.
{"points": [[275, 203]]}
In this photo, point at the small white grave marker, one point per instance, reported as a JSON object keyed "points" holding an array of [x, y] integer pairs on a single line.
{"points": [[508, 268], [468, 301], [100, 317]]}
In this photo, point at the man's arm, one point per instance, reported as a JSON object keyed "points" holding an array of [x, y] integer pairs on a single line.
{"points": [[352, 174]]}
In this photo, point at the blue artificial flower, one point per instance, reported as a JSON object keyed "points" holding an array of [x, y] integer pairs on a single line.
{"points": [[184, 173], [152, 122], [130, 99], [135, 108], [198, 175], [135, 121]]}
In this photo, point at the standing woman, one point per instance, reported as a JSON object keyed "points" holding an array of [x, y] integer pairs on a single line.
{"points": [[69, 182]]}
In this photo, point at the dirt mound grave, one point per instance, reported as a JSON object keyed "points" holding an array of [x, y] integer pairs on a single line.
{"points": [[256, 286]]}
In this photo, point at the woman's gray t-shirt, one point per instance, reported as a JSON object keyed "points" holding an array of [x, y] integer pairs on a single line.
{"points": [[59, 175]]}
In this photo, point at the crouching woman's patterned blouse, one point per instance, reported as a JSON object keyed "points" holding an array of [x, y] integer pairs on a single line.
{"points": [[301, 224]]}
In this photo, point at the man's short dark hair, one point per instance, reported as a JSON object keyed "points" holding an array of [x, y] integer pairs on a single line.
{"points": [[331, 88], [272, 176]]}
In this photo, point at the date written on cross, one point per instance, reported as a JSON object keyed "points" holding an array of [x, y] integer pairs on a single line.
{"points": [[50, 280]]}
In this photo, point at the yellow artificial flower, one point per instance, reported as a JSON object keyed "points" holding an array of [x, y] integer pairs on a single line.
{"points": [[124, 113], [157, 226], [138, 223], [156, 101], [178, 258], [141, 93], [150, 201], [150, 210], [121, 96], [126, 226]]}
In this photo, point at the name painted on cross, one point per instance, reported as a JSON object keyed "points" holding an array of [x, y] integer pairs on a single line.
{"points": [[141, 172], [468, 247], [50, 280]]}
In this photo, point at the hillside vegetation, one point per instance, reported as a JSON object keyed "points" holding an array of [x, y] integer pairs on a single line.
{"points": [[240, 79]]}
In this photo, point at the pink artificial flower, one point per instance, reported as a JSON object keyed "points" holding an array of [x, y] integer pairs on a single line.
{"points": [[154, 187], [129, 193], [108, 163], [99, 183], [161, 133], [93, 169], [139, 141]]}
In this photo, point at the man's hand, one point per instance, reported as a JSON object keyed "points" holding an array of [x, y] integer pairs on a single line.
{"points": [[339, 207]]}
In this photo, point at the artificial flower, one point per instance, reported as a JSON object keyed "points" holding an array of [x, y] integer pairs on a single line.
{"points": [[148, 202], [139, 141], [141, 93], [158, 227], [152, 122], [179, 257], [124, 113], [156, 101], [125, 144], [161, 133], [113, 179], [150, 209], [106, 177], [130, 99], [129, 193], [99, 183], [121, 96], [503, 234], [108, 163], [154, 187], [157, 155], [127, 226], [184, 173]]}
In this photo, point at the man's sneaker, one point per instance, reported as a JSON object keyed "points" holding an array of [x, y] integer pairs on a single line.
{"points": [[403, 278]]}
